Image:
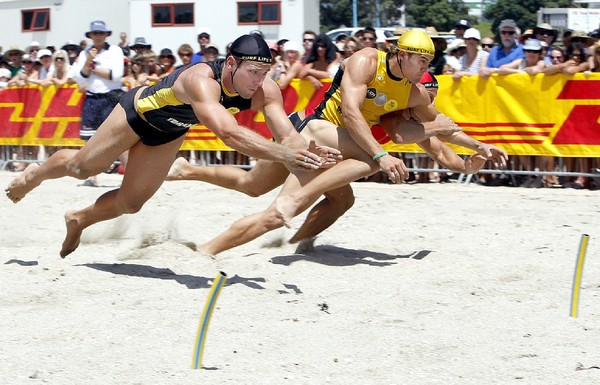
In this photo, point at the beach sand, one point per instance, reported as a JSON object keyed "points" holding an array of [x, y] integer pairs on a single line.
{"points": [[416, 284]]}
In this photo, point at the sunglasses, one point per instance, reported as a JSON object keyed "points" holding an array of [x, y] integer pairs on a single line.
{"points": [[305, 40], [185, 54], [507, 32], [60, 59], [531, 51], [368, 38], [487, 45], [556, 57]]}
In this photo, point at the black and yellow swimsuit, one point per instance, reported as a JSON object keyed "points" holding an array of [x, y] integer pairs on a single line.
{"points": [[166, 118], [385, 93]]}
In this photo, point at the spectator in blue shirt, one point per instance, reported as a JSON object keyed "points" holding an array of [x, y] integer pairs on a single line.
{"points": [[507, 51]]}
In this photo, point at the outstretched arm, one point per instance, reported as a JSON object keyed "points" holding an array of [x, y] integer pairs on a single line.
{"points": [[445, 156], [204, 96]]}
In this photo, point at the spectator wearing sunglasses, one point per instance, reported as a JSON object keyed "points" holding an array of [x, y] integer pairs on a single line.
{"points": [[474, 58], [308, 38], [545, 33], [369, 37], [533, 63], [487, 43], [185, 52], [507, 51]]}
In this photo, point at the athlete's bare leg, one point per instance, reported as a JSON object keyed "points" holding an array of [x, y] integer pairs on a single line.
{"points": [[262, 178], [137, 187], [325, 213], [111, 139]]}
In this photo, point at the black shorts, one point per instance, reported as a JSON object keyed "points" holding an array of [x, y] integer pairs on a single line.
{"points": [[95, 110], [149, 135], [298, 123]]}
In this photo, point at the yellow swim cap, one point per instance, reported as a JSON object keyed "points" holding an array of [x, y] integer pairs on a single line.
{"points": [[416, 41]]}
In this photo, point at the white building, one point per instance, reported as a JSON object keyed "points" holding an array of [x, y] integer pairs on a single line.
{"points": [[163, 23]]}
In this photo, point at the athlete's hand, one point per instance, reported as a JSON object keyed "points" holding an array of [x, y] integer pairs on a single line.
{"points": [[474, 163], [493, 153], [304, 159], [394, 168], [330, 156]]}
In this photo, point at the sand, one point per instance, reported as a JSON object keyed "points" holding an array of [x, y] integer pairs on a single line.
{"points": [[416, 284]]}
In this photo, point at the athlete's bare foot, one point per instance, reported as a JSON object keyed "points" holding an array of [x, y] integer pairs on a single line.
{"points": [[306, 245], [286, 208], [73, 236], [21, 185], [176, 170]]}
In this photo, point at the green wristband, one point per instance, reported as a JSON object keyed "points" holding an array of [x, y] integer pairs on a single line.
{"points": [[377, 156]]}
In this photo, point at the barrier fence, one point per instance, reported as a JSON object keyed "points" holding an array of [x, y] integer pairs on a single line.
{"points": [[540, 115]]}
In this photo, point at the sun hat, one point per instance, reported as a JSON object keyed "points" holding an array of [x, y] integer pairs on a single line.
{"points": [[454, 45], [98, 26], [579, 35], [252, 48], [140, 42], [14, 49], [433, 33], [416, 41]]}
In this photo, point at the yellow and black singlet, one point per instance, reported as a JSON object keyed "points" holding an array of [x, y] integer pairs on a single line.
{"points": [[161, 108], [385, 93]]}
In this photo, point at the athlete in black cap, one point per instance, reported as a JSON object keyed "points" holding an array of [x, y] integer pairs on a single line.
{"points": [[151, 123]]}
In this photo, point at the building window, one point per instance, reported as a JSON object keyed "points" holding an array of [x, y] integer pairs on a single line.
{"points": [[264, 12], [172, 14], [35, 20]]}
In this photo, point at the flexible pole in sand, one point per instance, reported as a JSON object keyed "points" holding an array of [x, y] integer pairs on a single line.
{"points": [[209, 306], [577, 277]]}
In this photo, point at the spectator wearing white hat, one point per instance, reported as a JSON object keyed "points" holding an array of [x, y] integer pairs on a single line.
{"points": [[456, 49], [474, 59], [292, 66], [203, 41], [45, 68], [532, 64], [4, 77]]}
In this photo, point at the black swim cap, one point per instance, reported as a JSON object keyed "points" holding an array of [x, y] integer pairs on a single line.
{"points": [[251, 47]]}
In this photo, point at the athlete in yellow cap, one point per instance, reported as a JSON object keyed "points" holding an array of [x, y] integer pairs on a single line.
{"points": [[369, 85]]}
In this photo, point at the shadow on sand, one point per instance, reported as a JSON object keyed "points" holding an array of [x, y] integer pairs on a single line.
{"points": [[339, 256], [190, 281]]}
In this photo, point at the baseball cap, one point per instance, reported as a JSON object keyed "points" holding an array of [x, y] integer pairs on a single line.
{"points": [[252, 48], [44, 52], [462, 24], [472, 33]]}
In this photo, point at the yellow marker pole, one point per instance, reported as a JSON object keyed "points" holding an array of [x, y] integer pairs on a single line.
{"points": [[578, 273], [209, 306]]}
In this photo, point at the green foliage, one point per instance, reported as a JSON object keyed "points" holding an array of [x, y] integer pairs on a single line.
{"points": [[337, 13], [441, 14], [524, 12]]}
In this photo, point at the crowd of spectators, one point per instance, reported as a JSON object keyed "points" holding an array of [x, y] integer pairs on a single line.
{"points": [[538, 49]]}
